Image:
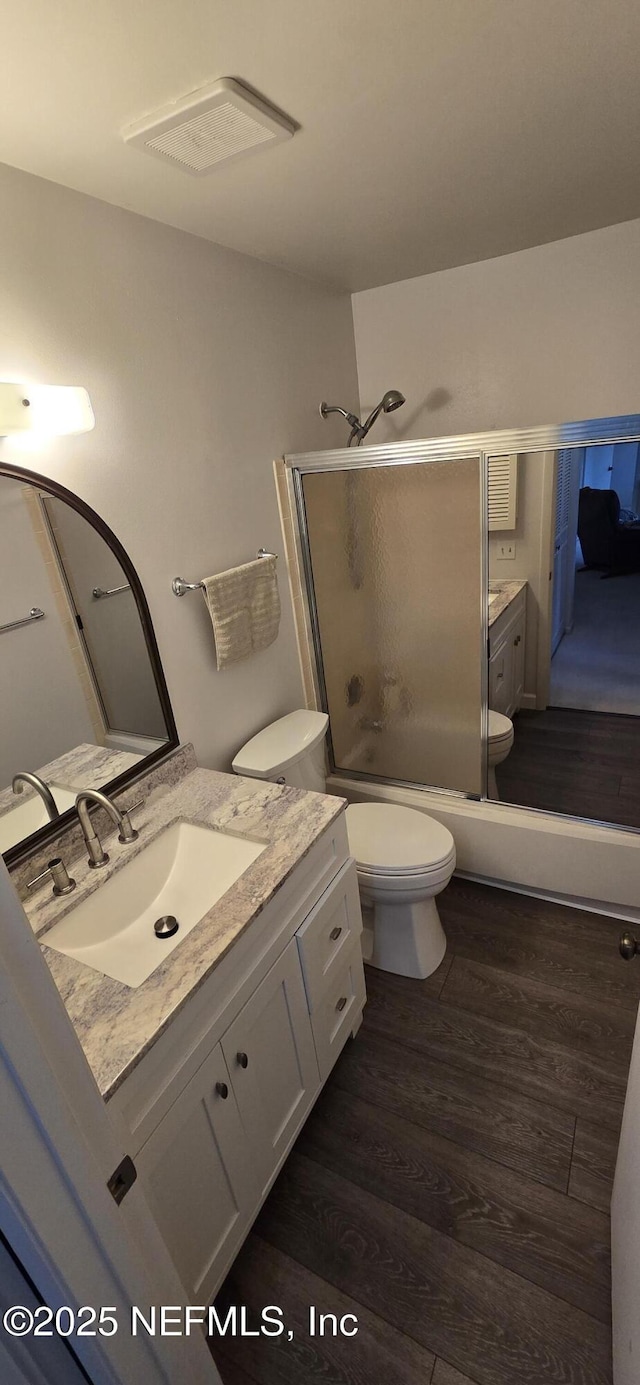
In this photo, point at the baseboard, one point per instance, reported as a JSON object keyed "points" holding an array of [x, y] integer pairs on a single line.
{"points": [[528, 702], [588, 906]]}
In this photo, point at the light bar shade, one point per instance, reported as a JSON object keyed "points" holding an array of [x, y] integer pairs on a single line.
{"points": [[51, 410]]}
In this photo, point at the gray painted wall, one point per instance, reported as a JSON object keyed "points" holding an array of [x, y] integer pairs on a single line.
{"points": [[202, 365]]}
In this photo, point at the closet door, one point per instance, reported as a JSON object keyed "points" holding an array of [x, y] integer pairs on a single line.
{"points": [[562, 558], [625, 1234]]}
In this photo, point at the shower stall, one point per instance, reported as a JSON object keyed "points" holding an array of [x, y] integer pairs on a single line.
{"points": [[391, 544]]}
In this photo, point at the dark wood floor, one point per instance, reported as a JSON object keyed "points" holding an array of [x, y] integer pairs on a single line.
{"points": [[583, 763], [451, 1187]]}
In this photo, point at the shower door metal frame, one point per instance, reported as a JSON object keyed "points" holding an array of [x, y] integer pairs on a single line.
{"points": [[366, 458], [591, 432]]}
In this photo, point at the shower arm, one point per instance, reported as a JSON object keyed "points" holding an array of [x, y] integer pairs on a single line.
{"points": [[354, 423]]}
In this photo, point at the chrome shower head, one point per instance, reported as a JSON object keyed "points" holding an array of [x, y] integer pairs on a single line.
{"points": [[390, 401], [393, 399]]}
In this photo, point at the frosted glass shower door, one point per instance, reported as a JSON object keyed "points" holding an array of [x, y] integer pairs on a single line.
{"points": [[395, 554]]}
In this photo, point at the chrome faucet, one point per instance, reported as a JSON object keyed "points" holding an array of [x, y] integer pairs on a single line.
{"points": [[24, 777], [126, 833]]}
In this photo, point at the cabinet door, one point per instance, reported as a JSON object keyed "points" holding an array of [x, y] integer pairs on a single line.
{"points": [[518, 666], [199, 1180], [501, 677], [271, 1056]]}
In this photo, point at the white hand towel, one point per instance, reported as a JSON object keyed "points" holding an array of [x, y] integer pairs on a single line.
{"points": [[244, 605]]}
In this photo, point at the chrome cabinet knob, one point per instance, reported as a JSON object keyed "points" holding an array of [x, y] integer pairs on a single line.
{"points": [[243, 1060], [222, 1090], [335, 933], [341, 1003], [628, 946]]}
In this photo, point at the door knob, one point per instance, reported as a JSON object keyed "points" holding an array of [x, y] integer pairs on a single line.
{"points": [[243, 1060], [628, 946]]}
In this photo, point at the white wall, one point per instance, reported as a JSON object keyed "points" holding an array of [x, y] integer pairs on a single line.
{"points": [[542, 336], [202, 366], [532, 539]]}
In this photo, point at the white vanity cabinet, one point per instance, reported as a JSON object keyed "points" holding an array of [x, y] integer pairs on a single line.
{"points": [[506, 657], [212, 1110]]}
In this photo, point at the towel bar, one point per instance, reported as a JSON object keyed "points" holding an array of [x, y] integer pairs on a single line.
{"points": [[99, 592], [179, 586], [34, 614]]}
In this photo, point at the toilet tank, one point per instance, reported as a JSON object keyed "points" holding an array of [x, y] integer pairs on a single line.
{"points": [[289, 751]]}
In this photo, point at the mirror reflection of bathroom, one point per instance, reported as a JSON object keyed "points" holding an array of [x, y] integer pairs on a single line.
{"points": [[564, 635], [78, 697]]}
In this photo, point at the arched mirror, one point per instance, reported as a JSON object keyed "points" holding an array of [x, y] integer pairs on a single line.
{"points": [[83, 699]]}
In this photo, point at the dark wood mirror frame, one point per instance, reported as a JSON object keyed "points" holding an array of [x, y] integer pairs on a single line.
{"points": [[44, 483]]}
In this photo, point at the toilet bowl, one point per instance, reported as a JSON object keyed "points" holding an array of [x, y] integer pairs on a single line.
{"points": [[499, 744], [403, 857]]}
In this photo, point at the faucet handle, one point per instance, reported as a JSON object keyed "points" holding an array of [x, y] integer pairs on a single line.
{"points": [[127, 832], [62, 882]]}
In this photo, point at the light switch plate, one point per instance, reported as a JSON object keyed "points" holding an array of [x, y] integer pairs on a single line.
{"points": [[507, 550]]}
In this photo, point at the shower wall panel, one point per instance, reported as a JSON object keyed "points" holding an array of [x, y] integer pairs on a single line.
{"points": [[395, 554]]}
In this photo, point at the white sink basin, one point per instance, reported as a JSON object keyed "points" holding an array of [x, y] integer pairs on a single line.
{"points": [[30, 813], [183, 872]]}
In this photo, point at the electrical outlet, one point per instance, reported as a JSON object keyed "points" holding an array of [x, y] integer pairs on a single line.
{"points": [[507, 550]]}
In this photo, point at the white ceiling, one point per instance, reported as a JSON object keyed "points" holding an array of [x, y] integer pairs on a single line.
{"points": [[433, 132]]}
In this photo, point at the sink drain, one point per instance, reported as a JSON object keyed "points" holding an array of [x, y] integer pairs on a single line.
{"points": [[166, 926]]}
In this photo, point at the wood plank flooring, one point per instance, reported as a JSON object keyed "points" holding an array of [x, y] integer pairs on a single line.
{"points": [[451, 1187], [569, 761]]}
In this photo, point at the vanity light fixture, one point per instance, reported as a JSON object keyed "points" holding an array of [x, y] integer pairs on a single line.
{"points": [[45, 409]]}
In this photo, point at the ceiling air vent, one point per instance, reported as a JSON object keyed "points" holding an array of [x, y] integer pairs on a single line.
{"points": [[210, 126]]}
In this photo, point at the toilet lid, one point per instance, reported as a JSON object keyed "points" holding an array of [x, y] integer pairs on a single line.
{"points": [[281, 745], [392, 840], [500, 727]]}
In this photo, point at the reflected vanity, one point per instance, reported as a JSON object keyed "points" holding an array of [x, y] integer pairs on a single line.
{"points": [[83, 700]]}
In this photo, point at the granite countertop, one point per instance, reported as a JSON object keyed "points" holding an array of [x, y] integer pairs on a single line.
{"points": [[85, 767], [117, 1024], [503, 593]]}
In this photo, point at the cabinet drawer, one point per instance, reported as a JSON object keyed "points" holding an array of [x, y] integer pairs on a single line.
{"points": [[336, 1014], [329, 933]]}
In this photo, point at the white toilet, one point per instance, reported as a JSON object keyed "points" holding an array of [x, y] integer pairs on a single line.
{"points": [[403, 858], [500, 742]]}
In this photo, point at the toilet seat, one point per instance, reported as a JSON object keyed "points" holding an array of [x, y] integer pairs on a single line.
{"points": [[421, 882], [501, 738], [500, 728], [391, 842]]}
